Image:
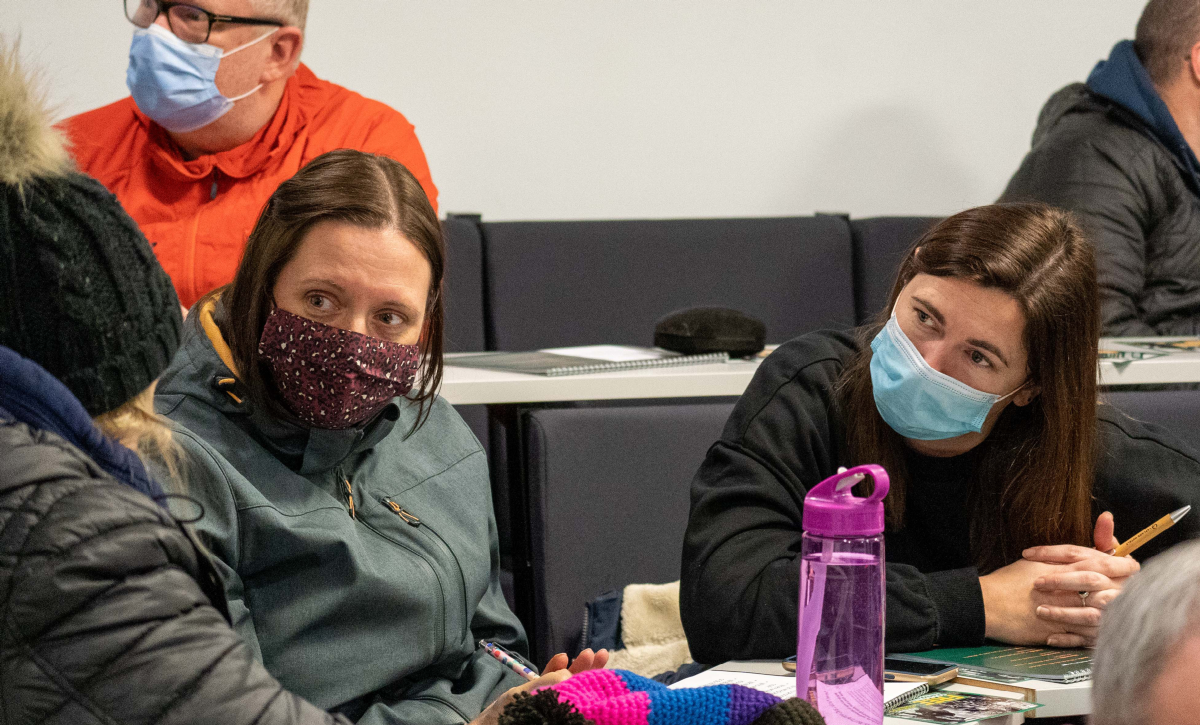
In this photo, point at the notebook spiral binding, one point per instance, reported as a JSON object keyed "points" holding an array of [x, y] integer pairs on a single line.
{"points": [[666, 362], [903, 699]]}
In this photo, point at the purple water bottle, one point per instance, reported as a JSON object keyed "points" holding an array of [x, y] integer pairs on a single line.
{"points": [[839, 644]]}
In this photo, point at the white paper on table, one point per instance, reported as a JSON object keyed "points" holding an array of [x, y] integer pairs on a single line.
{"points": [[782, 687], [858, 702], [608, 353]]}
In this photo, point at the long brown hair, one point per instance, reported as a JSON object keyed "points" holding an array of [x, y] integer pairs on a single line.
{"points": [[1033, 481], [358, 188]]}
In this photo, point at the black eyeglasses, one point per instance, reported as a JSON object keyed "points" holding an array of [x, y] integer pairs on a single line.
{"points": [[188, 22]]}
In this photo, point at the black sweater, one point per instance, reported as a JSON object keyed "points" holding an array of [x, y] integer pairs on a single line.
{"points": [[740, 575]]}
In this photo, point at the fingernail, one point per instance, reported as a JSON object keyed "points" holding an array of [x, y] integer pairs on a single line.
{"points": [[1042, 611]]}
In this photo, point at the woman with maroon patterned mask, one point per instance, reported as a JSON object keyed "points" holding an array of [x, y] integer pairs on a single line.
{"points": [[349, 505]]}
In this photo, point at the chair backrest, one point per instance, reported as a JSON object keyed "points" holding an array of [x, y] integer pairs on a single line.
{"points": [[608, 501], [1178, 411], [879, 247], [582, 282], [462, 289], [463, 284]]}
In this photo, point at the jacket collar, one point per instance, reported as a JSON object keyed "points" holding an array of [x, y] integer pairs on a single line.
{"points": [[305, 450], [267, 148], [1124, 80], [31, 395]]}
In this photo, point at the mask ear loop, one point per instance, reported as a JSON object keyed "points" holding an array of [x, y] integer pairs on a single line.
{"points": [[1016, 390], [242, 47]]}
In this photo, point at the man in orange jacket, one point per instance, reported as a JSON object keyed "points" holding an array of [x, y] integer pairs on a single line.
{"points": [[221, 112]]}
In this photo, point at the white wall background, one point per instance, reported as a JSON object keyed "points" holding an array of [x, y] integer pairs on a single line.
{"points": [[562, 109]]}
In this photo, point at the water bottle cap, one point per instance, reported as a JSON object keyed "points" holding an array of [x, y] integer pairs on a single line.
{"points": [[832, 509]]}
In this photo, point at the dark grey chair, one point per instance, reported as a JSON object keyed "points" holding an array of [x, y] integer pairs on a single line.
{"points": [[608, 502], [463, 301], [1178, 411], [879, 246], [574, 283], [463, 284]]}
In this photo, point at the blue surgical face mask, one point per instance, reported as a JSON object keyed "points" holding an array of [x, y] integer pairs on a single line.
{"points": [[175, 82], [917, 401]]}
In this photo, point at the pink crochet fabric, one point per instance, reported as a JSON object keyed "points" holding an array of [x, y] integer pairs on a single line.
{"points": [[617, 697], [603, 696]]}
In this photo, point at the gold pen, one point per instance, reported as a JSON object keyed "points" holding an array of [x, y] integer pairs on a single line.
{"points": [[1151, 531]]}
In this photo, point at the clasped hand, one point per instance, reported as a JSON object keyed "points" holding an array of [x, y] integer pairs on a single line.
{"points": [[1055, 595]]}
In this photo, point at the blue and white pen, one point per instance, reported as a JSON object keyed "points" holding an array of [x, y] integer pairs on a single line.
{"points": [[508, 661]]}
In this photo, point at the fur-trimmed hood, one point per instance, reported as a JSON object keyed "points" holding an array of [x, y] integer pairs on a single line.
{"points": [[30, 147]]}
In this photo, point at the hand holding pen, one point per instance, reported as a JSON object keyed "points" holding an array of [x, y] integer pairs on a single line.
{"points": [[587, 660], [556, 671], [1091, 578]]}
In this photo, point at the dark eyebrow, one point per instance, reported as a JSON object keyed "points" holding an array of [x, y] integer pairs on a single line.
{"points": [[932, 310], [990, 348], [937, 315], [327, 282]]}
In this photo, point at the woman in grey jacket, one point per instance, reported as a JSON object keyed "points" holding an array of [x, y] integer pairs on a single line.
{"points": [[348, 505]]}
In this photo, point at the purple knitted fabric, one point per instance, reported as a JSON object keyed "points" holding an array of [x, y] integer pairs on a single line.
{"points": [[618, 697]]}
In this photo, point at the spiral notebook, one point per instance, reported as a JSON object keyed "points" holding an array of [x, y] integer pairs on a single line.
{"points": [[581, 360]]}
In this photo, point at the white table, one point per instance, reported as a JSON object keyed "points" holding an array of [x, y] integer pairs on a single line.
{"points": [[1176, 367], [475, 386]]}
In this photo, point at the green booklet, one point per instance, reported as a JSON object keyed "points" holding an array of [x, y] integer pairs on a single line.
{"points": [[1006, 663]]}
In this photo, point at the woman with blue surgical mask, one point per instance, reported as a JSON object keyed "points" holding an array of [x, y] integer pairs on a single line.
{"points": [[976, 389]]}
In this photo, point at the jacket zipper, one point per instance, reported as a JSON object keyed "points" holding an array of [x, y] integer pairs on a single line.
{"points": [[212, 194], [432, 570], [408, 517], [411, 519], [587, 623], [349, 491]]}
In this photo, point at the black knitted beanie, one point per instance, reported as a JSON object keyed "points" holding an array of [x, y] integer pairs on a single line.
{"points": [[81, 293]]}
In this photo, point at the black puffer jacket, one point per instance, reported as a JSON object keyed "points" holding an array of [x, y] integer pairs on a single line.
{"points": [[107, 607], [1126, 171]]}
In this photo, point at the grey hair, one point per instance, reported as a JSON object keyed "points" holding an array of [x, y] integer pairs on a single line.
{"points": [[292, 12], [1138, 631]]}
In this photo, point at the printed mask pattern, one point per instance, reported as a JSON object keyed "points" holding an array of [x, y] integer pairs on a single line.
{"points": [[333, 378]]}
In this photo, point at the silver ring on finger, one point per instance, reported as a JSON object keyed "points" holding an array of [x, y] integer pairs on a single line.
{"points": [[1083, 597]]}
